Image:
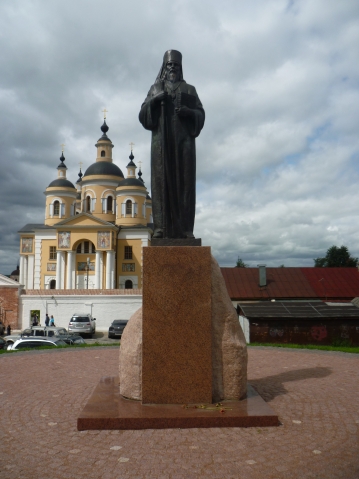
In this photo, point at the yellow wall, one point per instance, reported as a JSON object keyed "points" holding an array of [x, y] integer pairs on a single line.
{"points": [[67, 200], [136, 258]]}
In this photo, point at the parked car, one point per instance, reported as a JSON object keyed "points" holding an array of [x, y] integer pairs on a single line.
{"points": [[35, 343], [3, 344], [71, 338], [37, 331], [116, 328], [82, 324]]}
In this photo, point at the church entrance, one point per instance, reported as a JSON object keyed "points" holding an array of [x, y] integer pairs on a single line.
{"points": [[128, 284], [53, 284]]}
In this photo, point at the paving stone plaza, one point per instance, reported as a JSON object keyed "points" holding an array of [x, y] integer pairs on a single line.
{"points": [[316, 395]]}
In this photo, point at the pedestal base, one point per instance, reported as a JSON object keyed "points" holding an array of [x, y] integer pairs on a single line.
{"points": [[107, 409]]}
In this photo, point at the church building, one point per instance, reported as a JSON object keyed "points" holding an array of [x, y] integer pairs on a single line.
{"points": [[94, 232]]}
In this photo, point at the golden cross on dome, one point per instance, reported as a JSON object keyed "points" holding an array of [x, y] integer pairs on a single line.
{"points": [[62, 147], [104, 111], [80, 164], [140, 163], [132, 145]]}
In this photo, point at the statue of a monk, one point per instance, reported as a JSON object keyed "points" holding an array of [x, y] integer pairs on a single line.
{"points": [[174, 114]]}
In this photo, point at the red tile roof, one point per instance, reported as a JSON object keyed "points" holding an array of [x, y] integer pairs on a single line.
{"points": [[292, 283], [334, 283]]}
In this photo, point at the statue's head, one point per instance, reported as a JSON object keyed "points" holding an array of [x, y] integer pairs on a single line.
{"points": [[171, 69], [172, 63]]}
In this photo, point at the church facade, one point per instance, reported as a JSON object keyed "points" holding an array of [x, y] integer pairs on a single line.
{"points": [[94, 232]]}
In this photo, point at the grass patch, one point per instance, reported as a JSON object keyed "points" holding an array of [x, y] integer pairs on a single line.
{"points": [[320, 347], [72, 346]]}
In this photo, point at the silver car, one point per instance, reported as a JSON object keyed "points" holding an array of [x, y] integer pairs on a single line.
{"points": [[38, 331], [35, 343], [82, 324]]}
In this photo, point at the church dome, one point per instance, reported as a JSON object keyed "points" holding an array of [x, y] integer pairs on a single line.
{"points": [[103, 168], [61, 182], [131, 182]]}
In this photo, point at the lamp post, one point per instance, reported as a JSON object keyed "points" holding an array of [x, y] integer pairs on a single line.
{"points": [[87, 271]]}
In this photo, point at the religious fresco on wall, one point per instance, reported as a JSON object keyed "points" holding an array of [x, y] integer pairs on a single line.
{"points": [[103, 239], [51, 266], [128, 267], [82, 266], [26, 245], [64, 239]]}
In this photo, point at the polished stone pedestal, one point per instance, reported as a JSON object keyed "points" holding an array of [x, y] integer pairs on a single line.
{"points": [[107, 409], [176, 330]]}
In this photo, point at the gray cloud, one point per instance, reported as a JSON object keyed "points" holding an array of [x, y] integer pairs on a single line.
{"points": [[277, 159]]}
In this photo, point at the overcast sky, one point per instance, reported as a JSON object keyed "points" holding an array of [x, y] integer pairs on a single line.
{"points": [[277, 160]]}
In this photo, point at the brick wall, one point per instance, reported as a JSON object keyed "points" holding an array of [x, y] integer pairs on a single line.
{"points": [[9, 304]]}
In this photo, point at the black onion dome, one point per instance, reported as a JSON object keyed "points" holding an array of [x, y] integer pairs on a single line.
{"points": [[103, 168], [104, 129], [131, 163], [61, 182], [131, 182], [15, 272], [148, 197], [62, 159]]}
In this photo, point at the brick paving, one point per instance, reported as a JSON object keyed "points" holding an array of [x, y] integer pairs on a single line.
{"points": [[315, 394]]}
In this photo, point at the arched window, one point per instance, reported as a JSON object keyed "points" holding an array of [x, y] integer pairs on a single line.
{"points": [[128, 284], [109, 203], [103, 153], [56, 208], [85, 247], [88, 204], [53, 284], [128, 207]]}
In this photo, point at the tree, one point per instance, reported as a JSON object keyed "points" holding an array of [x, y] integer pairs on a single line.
{"points": [[240, 263], [336, 257]]}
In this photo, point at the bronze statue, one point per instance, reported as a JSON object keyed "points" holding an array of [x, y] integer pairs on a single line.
{"points": [[174, 114]]}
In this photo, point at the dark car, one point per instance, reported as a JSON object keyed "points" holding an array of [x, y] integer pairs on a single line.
{"points": [[72, 338], [3, 344], [116, 328]]}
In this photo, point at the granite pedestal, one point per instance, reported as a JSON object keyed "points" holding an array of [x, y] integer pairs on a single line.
{"points": [[176, 347]]}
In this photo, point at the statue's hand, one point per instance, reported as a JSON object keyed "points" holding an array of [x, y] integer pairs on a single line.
{"points": [[184, 111], [159, 97]]}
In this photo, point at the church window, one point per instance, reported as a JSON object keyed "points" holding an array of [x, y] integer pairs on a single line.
{"points": [[56, 208], [86, 247], [103, 153], [52, 252], [53, 284], [128, 284], [109, 203], [128, 207], [128, 252], [88, 204]]}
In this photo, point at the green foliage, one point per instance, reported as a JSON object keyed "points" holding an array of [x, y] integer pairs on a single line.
{"points": [[343, 349], [336, 258], [241, 264]]}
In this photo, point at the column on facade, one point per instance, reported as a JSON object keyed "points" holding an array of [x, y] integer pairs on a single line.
{"points": [[98, 269], [59, 257], [110, 264], [22, 270], [63, 270], [30, 271], [70, 269]]}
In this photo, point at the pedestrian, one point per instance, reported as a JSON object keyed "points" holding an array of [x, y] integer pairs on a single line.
{"points": [[47, 320], [34, 323], [8, 329], [52, 321]]}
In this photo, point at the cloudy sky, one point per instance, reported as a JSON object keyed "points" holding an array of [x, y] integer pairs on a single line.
{"points": [[277, 160]]}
